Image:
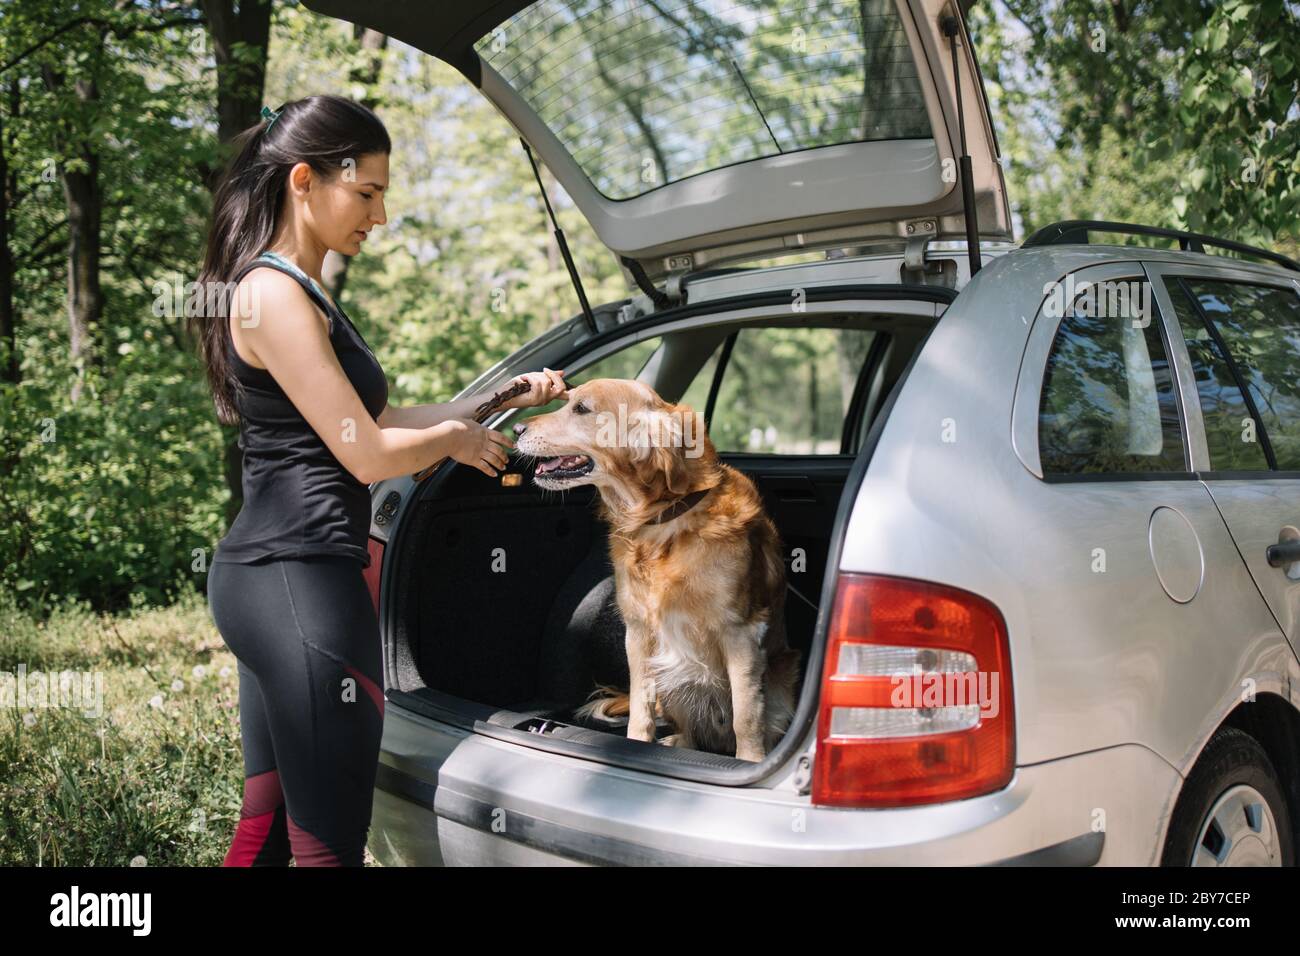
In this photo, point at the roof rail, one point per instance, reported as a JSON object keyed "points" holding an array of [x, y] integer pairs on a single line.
{"points": [[1073, 231]]}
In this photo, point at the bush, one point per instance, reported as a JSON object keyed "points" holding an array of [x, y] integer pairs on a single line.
{"points": [[120, 492]]}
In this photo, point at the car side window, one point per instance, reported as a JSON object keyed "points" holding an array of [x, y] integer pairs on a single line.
{"points": [[1108, 405], [783, 390], [625, 363], [1244, 343], [1231, 430]]}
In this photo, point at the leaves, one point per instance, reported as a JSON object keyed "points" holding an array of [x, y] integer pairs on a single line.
{"points": [[1191, 115], [1218, 37], [1243, 84]]}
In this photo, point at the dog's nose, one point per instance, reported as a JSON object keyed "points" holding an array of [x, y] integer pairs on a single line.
{"points": [[520, 428]]}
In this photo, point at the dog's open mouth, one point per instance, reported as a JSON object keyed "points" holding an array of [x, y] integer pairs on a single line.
{"points": [[564, 466]]}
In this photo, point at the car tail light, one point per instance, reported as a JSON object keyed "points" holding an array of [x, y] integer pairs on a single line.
{"points": [[916, 696], [371, 574]]}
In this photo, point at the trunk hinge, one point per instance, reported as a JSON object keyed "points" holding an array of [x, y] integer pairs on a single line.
{"points": [[564, 245], [914, 255], [917, 269]]}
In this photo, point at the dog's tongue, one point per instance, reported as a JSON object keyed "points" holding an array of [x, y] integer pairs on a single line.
{"points": [[565, 461]]}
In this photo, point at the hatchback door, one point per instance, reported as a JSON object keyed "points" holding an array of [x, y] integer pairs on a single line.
{"points": [[1241, 329], [690, 134]]}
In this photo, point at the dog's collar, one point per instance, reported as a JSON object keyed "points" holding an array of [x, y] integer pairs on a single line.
{"points": [[681, 506]]}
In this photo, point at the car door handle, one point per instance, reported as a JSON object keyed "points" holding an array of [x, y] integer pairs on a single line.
{"points": [[1280, 555]]}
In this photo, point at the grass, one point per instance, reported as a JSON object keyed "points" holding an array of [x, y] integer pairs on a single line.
{"points": [[156, 777]]}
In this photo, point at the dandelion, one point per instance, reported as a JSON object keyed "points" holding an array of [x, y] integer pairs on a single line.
{"points": [[199, 672], [225, 672], [156, 702], [178, 685], [138, 861], [29, 719]]}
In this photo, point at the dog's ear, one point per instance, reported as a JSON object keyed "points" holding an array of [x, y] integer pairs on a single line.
{"points": [[657, 449], [669, 462]]}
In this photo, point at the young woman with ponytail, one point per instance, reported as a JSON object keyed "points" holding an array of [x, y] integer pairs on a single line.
{"points": [[284, 362]]}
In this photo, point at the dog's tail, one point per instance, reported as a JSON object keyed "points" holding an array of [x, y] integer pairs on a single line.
{"points": [[607, 703]]}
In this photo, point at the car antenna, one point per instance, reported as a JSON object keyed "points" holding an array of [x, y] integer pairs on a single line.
{"points": [[564, 245], [951, 28]]}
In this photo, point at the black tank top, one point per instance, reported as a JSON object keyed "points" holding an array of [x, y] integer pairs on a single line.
{"points": [[298, 499]]}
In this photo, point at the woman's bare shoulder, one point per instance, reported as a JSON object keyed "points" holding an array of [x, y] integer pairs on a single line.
{"points": [[265, 290]]}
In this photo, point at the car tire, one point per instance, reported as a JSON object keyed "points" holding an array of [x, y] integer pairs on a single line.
{"points": [[1231, 811]]}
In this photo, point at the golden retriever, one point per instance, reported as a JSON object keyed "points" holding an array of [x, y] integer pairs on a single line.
{"points": [[698, 571]]}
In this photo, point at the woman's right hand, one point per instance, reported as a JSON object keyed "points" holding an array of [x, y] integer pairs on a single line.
{"points": [[478, 446]]}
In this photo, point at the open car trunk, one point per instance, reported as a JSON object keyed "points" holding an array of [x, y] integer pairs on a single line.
{"points": [[502, 617], [525, 646]]}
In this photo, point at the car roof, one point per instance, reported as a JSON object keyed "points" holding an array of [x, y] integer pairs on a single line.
{"points": [[1065, 258]]}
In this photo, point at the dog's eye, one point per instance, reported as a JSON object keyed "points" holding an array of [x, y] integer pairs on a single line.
{"points": [[580, 409]]}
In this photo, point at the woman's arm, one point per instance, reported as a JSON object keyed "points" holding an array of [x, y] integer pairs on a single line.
{"points": [[425, 416], [295, 348], [545, 386]]}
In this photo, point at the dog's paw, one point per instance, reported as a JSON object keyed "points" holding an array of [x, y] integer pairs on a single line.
{"points": [[672, 740]]}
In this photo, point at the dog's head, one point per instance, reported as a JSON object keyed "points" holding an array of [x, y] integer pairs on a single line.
{"points": [[620, 436]]}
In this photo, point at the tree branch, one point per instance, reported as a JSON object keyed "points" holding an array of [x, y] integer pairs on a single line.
{"points": [[118, 30]]}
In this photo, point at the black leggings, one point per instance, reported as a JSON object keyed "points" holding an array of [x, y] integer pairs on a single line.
{"points": [[311, 707]]}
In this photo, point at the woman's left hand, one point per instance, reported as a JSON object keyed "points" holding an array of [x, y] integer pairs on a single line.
{"points": [[543, 387]]}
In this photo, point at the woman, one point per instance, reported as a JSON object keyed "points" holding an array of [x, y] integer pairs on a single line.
{"points": [[285, 586]]}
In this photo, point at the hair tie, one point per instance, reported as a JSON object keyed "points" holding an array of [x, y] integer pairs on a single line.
{"points": [[267, 113]]}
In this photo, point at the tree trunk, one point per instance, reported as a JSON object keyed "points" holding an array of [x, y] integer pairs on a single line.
{"points": [[240, 85], [334, 270], [240, 81], [81, 190], [9, 370], [82, 196]]}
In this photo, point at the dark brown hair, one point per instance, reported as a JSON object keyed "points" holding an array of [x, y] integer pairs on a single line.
{"points": [[322, 131]]}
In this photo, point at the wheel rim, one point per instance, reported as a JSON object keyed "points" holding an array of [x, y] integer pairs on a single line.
{"points": [[1239, 830]]}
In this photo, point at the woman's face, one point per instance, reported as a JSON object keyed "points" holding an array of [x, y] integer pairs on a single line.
{"points": [[342, 210]]}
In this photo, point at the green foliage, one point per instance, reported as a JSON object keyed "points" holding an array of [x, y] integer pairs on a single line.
{"points": [[109, 495], [1170, 112]]}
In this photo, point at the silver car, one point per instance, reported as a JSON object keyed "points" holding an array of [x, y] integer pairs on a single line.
{"points": [[1040, 503]]}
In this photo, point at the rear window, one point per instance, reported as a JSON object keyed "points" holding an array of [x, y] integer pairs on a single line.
{"points": [[625, 363], [645, 94], [784, 391]]}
